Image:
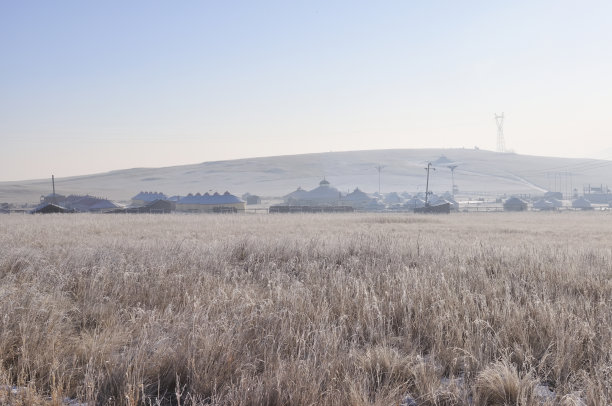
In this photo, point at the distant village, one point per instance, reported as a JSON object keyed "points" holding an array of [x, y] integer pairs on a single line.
{"points": [[323, 198]]}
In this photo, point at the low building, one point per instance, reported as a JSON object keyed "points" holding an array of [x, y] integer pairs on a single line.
{"points": [[207, 203], [296, 196], [253, 199], [5, 207], [393, 198], [310, 209], [544, 205], [48, 208], [89, 204], [143, 198], [357, 199], [582, 204], [599, 198], [160, 206], [414, 203], [515, 204], [441, 208], [156, 207], [104, 205], [324, 195], [454, 205], [553, 195], [375, 205]]}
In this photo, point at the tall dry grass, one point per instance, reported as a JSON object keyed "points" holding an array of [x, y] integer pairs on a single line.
{"points": [[484, 309]]}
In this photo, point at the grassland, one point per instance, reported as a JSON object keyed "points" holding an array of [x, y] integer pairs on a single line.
{"points": [[484, 309]]}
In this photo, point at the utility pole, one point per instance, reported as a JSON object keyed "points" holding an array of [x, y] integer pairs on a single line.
{"points": [[452, 168], [53, 183], [427, 184], [379, 168]]}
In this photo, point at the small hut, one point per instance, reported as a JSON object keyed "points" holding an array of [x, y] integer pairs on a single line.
{"points": [[440, 208], [357, 199], [454, 205], [544, 205], [553, 195], [393, 198], [159, 206], [375, 205], [48, 208], [253, 199], [414, 203], [296, 196], [143, 198], [515, 204], [207, 203], [582, 204]]}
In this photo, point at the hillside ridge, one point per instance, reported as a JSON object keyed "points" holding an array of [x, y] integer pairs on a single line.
{"points": [[478, 172]]}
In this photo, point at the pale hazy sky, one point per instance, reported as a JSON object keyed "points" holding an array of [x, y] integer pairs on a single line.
{"points": [[90, 86]]}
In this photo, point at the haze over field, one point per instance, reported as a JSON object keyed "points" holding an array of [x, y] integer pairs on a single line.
{"points": [[325, 298], [88, 87], [478, 173]]}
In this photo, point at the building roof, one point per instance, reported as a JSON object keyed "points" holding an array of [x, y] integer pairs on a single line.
{"points": [[323, 192], [515, 200], [297, 194], [46, 208], [357, 195], [392, 197], [415, 202], [543, 205], [581, 203], [375, 205], [160, 205], [515, 204], [104, 204], [87, 203], [442, 200], [150, 196], [206, 198]]}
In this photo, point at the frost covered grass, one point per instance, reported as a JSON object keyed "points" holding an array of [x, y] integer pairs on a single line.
{"points": [[342, 309]]}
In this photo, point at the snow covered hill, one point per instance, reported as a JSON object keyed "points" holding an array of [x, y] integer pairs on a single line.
{"points": [[477, 172]]}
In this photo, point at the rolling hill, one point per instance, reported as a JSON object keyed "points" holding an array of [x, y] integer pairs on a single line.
{"points": [[478, 173]]}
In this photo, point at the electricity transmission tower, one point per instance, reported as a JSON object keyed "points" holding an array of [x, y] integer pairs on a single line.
{"points": [[501, 144]]}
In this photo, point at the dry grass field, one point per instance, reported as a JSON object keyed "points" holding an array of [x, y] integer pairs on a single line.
{"points": [[355, 309]]}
